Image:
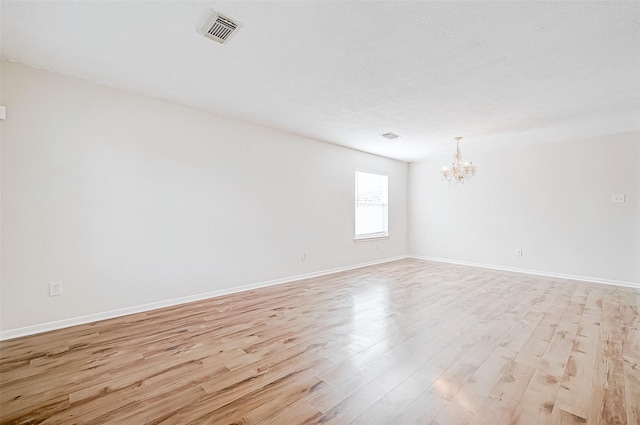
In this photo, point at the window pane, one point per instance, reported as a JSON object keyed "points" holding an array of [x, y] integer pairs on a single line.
{"points": [[371, 204]]}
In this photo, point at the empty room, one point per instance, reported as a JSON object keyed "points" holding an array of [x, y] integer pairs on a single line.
{"points": [[320, 212]]}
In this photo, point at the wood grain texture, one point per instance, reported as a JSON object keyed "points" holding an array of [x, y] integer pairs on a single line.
{"points": [[405, 342]]}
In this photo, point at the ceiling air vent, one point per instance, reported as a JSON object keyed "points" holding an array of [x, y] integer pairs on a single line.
{"points": [[219, 28], [390, 136]]}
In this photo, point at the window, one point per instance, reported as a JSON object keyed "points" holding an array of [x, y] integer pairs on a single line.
{"points": [[371, 205]]}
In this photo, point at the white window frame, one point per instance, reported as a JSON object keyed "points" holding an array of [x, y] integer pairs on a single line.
{"points": [[384, 202]]}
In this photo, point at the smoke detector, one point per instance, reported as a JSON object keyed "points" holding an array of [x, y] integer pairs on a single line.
{"points": [[390, 136], [219, 27]]}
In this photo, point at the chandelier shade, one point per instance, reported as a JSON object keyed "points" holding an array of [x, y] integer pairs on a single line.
{"points": [[459, 172]]}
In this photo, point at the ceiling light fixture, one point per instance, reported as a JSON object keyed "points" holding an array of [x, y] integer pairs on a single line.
{"points": [[459, 172]]}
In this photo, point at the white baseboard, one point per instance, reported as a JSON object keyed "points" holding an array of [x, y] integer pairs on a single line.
{"points": [[59, 324], [527, 271], [49, 326]]}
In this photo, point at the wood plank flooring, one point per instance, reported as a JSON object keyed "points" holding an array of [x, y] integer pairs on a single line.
{"points": [[405, 342]]}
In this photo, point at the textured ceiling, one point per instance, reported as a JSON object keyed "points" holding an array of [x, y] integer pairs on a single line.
{"points": [[499, 73]]}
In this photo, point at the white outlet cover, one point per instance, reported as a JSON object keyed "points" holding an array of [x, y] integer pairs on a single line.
{"points": [[55, 288], [617, 198]]}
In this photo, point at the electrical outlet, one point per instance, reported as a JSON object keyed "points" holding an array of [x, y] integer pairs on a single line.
{"points": [[518, 253], [617, 198], [304, 256], [377, 247], [55, 288]]}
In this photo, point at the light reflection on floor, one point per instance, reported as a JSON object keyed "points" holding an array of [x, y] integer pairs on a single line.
{"points": [[370, 306]]}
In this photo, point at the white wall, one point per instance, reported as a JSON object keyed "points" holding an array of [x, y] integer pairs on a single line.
{"points": [[131, 200], [553, 201]]}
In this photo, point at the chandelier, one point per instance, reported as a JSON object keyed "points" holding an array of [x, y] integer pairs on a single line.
{"points": [[459, 172]]}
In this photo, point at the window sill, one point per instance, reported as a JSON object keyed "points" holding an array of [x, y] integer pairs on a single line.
{"points": [[369, 238]]}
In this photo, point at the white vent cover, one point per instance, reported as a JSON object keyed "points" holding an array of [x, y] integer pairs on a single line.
{"points": [[390, 136], [219, 28]]}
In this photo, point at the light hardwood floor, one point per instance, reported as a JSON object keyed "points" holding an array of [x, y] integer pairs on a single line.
{"points": [[405, 342]]}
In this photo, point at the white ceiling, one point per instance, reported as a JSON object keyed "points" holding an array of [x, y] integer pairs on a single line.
{"points": [[499, 73]]}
